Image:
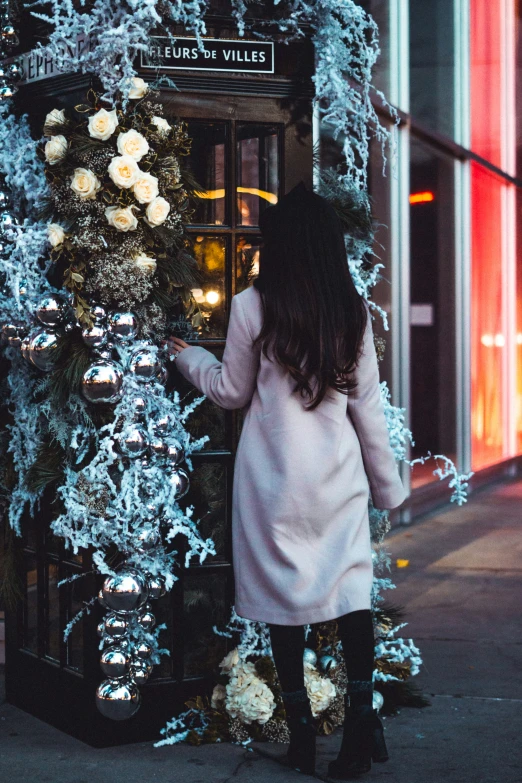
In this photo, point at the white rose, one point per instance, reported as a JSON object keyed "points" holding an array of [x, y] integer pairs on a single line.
{"points": [[161, 124], [103, 124], [138, 88], [55, 234], [248, 697], [122, 218], [133, 143], [85, 183], [145, 263], [230, 660], [218, 697], [145, 188], [157, 211], [55, 149], [56, 116], [123, 171]]}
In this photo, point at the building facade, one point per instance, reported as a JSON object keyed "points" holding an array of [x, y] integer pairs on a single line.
{"points": [[449, 208]]}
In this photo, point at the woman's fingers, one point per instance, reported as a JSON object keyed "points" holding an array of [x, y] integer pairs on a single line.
{"points": [[176, 344]]}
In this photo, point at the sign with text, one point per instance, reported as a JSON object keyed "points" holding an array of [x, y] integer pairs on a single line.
{"points": [[37, 65], [219, 55]]}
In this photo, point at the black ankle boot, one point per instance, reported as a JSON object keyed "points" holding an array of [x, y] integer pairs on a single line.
{"points": [[301, 725], [363, 742]]}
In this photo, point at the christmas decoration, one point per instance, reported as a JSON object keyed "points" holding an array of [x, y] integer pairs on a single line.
{"points": [[83, 331]]}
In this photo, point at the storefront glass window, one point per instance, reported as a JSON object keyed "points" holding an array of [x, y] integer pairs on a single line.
{"points": [[487, 336], [432, 309], [432, 63], [247, 263], [487, 25], [380, 11], [257, 171], [207, 162], [210, 253]]}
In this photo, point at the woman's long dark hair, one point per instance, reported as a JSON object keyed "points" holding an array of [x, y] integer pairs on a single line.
{"points": [[314, 317]]}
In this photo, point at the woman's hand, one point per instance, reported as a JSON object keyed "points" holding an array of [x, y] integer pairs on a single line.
{"points": [[175, 345]]}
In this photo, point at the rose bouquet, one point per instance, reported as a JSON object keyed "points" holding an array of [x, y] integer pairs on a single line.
{"points": [[118, 204]]}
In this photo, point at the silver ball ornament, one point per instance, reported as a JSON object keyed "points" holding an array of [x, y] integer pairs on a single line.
{"points": [[377, 700], [118, 699], [139, 405], [133, 441], [309, 656], [123, 326], [179, 481], [42, 349], [15, 72], [156, 587], [145, 364], [8, 222], [114, 661], [100, 599], [9, 36], [175, 452], [115, 626], [140, 671], [146, 618], [7, 91], [125, 591], [328, 663], [161, 426], [158, 447], [50, 310], [94, 337], [101, 383], [5, 199], [147, 539], [142, 650]]}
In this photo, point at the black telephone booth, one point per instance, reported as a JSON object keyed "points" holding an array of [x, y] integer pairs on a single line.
{"points": [[252, 142]]}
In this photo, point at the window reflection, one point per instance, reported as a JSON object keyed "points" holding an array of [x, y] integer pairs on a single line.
{"points": [[205, 606], [30, 640], [53, 613], [207, 163], [432, 310], [432, 62], [257, 171], [210, 253], [247, 268]]}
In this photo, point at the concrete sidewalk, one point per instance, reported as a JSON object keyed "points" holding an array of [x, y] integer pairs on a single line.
{"points": [[462, 592]]}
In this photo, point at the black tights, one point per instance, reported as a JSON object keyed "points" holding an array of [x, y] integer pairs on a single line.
{"points": [[356, 634]]}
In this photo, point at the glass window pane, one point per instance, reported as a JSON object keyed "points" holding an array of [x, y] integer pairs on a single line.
{"points": [[432, 62], [208, 495], [53, 635], [205, 605], [247, 267], [379, 189], [210, 253], [257, 170], [207, 163], [432, 314], [487, 29], [30, 640], [75, 640], [380, 11], [487, 337]]}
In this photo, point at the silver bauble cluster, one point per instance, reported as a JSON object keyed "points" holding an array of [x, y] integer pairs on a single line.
{"points": [[126, 658], [10, 73]]}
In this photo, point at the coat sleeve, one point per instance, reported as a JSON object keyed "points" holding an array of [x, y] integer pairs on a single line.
{"points": [[230, 383], [366, 411]]}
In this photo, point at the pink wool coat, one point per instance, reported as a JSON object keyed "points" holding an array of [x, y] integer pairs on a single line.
{"points": [[300, 528]]}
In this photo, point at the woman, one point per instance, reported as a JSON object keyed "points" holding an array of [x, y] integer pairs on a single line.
{"points": [[300, 360]]}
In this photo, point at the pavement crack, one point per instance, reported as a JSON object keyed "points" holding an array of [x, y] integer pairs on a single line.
{"points": [[239, 766]]}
